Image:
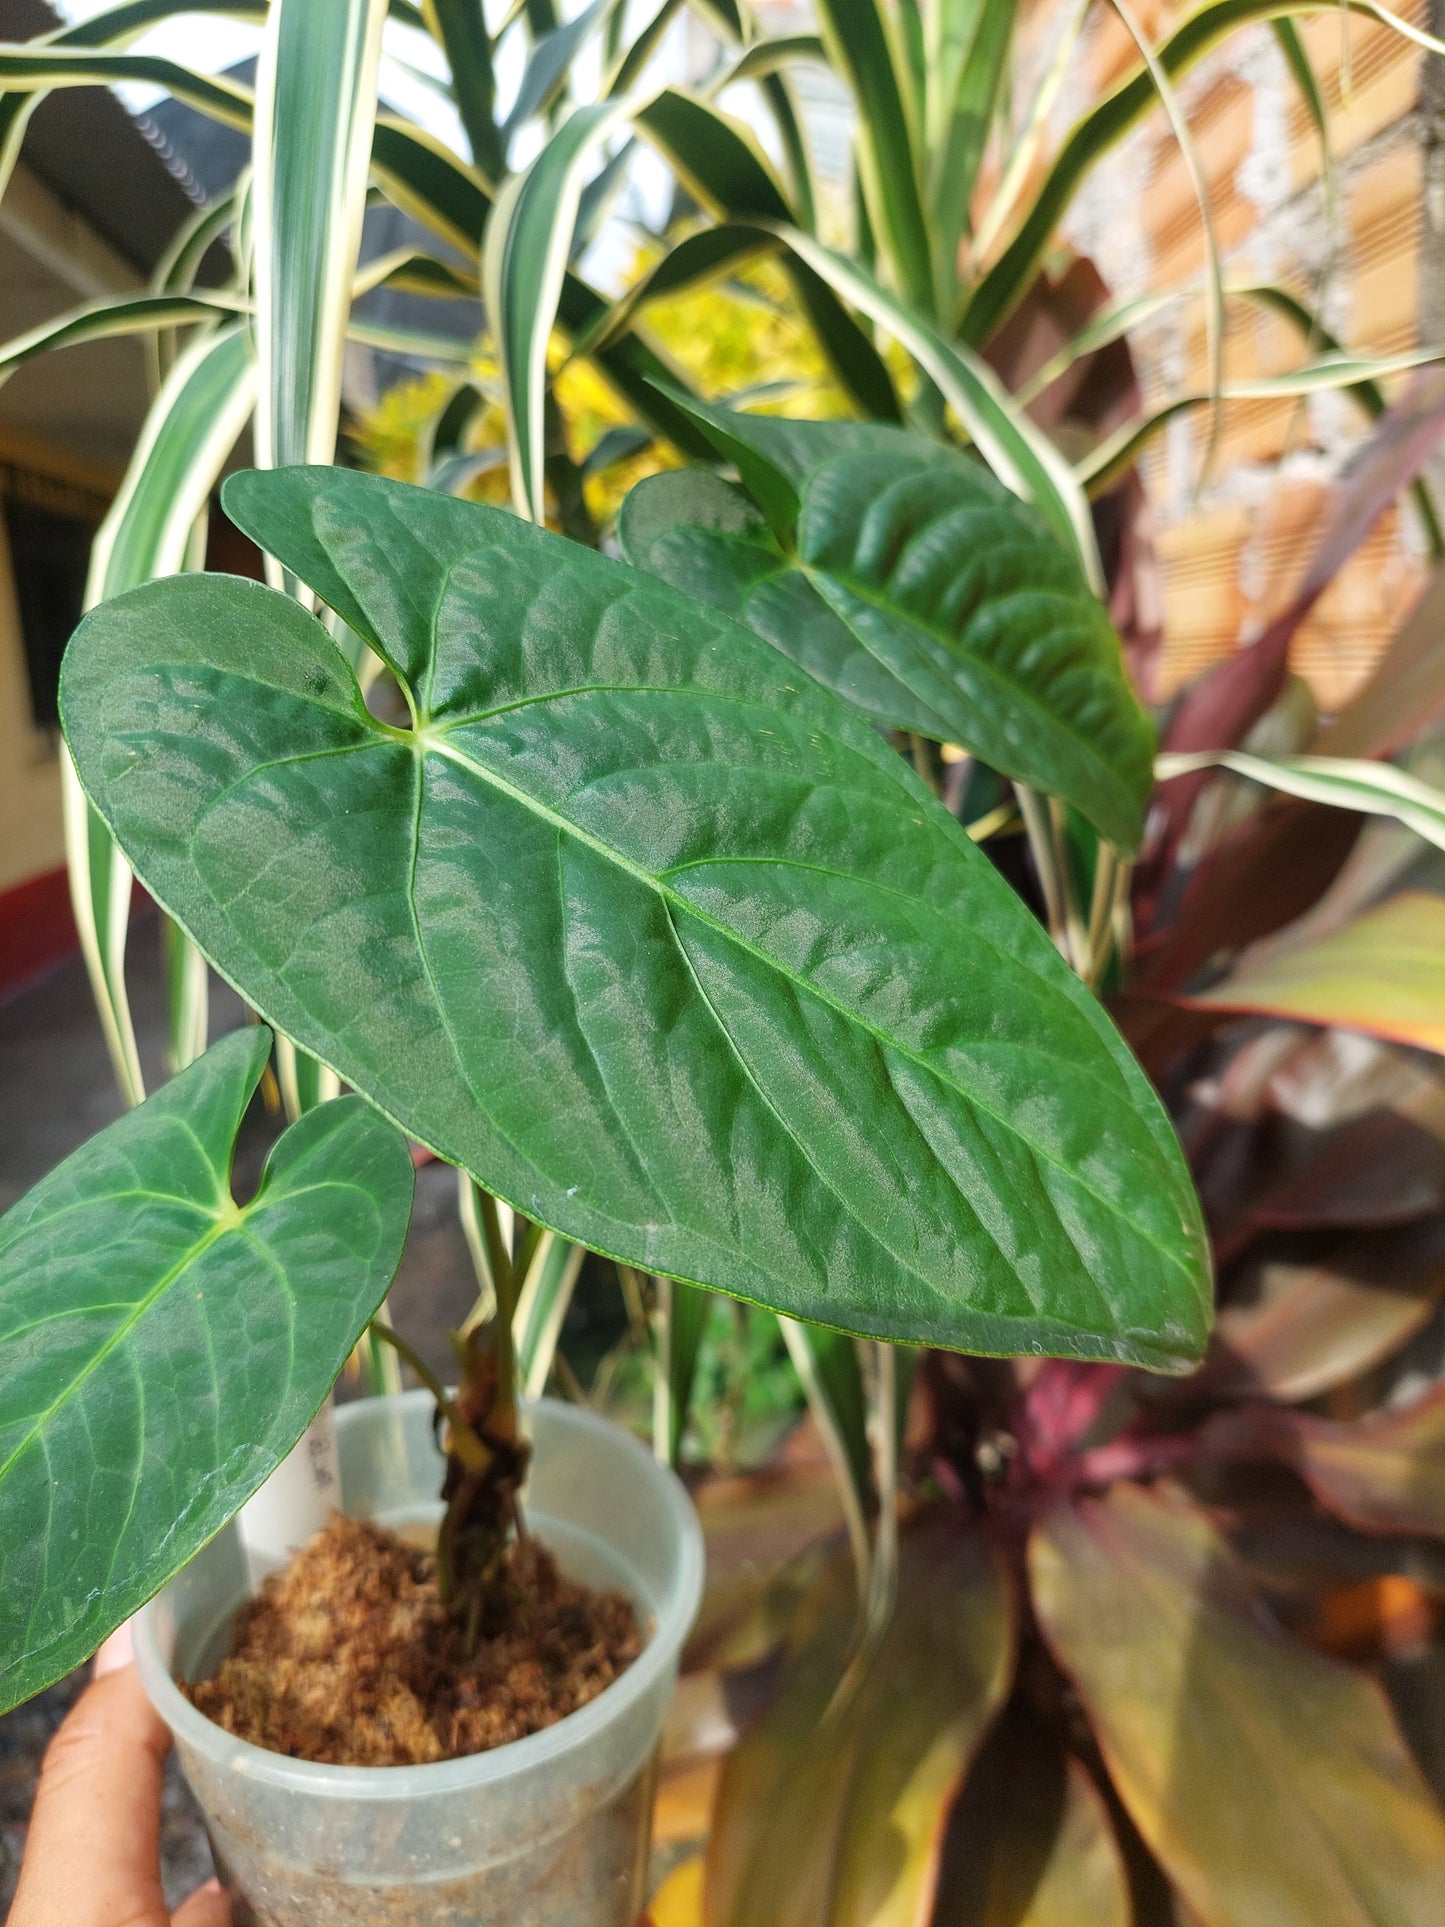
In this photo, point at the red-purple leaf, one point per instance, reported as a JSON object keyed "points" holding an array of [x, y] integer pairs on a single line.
{"points": [[1030, 1842], [831, 1812], [1383, 974], [1405, 691], [1307, 1327], [1261, 878], [1271, 1783], [1223, 705], [1384, 1473]]}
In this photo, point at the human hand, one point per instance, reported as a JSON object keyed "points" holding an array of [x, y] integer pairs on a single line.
{"points": [[92, 1855]]}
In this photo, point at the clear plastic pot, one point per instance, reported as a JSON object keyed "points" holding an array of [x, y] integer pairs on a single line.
{"points": [[551, 1831]]}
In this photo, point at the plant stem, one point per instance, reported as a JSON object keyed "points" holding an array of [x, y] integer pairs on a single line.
{"points": [[882, 1587], [1111, 888], [883, 1424], [852, 1500], [468, 1209], [923, 760], [504, 1282], [662, 1375], [465, 1443], [1052, 880], [1073, 915], [379, 1362]]}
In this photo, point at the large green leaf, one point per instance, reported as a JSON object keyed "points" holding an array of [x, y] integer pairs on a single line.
{"points": [[162, 1348], [918, 589], [1014, 447], [638, 926], [1271, 1783]]}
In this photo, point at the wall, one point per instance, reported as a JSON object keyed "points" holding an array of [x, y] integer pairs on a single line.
{"points": [[35, 920], [1231, 553], [67, 421], [29, 770]]}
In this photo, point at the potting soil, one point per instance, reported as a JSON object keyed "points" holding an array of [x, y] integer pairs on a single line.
{"points": [[349, 1657]]}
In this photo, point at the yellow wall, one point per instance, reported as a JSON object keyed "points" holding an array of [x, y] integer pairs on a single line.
{"points": [[29, 767], [31, 835]]}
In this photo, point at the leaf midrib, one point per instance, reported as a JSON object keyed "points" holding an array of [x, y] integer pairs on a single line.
{"points": [[672, 897], [220, 1225]]}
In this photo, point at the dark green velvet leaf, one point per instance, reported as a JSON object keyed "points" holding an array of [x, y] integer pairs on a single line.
{"points": [[902, 575], [638, 925]]}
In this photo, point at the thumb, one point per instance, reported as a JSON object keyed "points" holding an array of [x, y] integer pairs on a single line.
{"points": [[207, 1907], [92, 1852]]}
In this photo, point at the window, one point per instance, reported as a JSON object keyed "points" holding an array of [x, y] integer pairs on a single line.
{"points": [[50, 528]]}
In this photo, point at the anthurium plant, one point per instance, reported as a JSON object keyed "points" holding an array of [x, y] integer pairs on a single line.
{"points": [[632, 920]]}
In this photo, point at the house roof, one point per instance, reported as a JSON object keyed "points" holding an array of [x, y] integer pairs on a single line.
{"points": [[96, 159]]}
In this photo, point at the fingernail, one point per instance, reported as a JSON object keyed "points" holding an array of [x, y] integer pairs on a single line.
{"points": [[118, 1651]]}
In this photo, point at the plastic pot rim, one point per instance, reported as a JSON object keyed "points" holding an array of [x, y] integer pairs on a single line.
{"points": [[471, 1770]]}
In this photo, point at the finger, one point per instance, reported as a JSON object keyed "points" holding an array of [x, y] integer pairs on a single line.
{"points": [[207, 1907], [92, 1853], [117, 1651]]}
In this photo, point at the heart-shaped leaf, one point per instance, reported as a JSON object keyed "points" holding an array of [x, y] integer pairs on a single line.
{"points": [[902, 575], [162, 1348], [639, 926]]}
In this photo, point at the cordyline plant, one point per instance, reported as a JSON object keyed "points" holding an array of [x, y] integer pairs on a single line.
{"points": [[1082, 1707]]}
